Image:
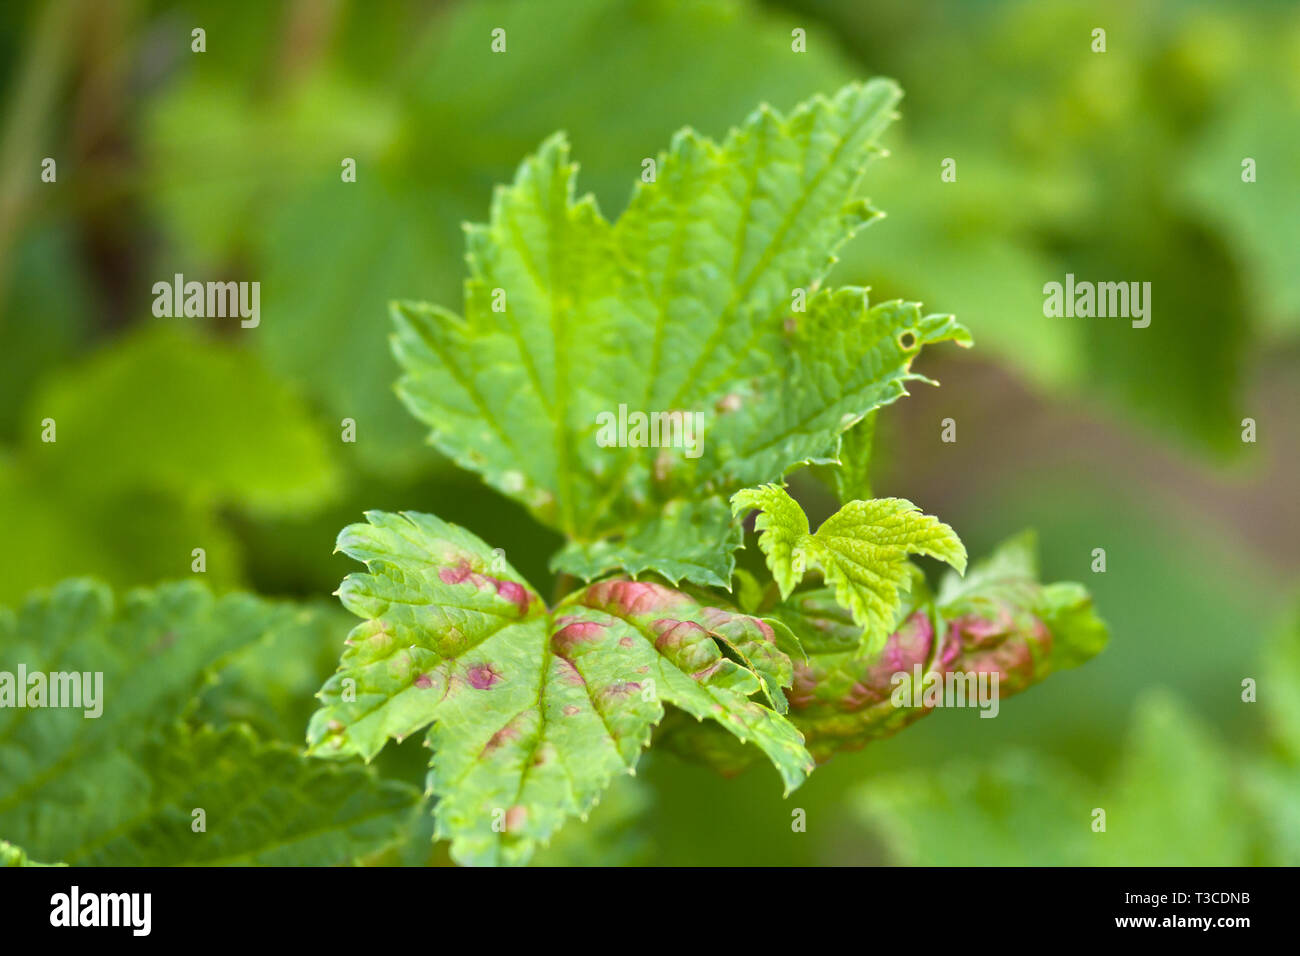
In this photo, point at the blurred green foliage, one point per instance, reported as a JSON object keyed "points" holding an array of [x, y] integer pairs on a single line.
{"points": [[182, 433]]}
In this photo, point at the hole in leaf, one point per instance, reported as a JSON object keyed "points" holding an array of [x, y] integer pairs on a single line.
{"points": [[907, 341]]}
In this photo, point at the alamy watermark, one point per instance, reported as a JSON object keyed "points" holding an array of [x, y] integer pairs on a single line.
{"points": [[130, 910], [1126, 300], [76, 690], [215, 300], [684, 430], [953, 689]]}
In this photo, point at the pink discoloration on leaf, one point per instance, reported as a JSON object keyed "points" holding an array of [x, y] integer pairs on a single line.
{"points": [[457, 575], [570, 674], [516, 817], [977, 631], [515, 593], [511, 591], [621, 689], [1001, 645], [579, 632], [424, 682], [735, 625], [634, 598], [570, 710], [910, 645], [673, 633], [803, 692], [482, 676], [625, 642]]}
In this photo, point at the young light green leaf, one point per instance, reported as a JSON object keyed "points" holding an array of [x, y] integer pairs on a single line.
{"points": [[861, 550], [783, 531], [531, 712], [11, 855], [602, 373]]}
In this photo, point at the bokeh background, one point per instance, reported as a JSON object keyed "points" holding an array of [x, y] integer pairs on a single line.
{"points": [[1123, 165]]}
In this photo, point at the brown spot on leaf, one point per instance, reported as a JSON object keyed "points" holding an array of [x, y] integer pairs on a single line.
{"points": [[727, 403], [504, 735]]}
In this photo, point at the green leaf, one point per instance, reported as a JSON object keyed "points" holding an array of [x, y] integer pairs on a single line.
{"points": [[1028, 809], [1010, 574], [614, 835], [531, 712], [11, 855], [694, 540], [1279, 686], [853, 476], [124, 538], [998, 619], [861, 550], [581, 338], [119, 787], [1259, 220], [200, 420], [820, 623], [1171, 760], [783, 530], [330, 254], [270, 683], [1022, 809], [264, 805]]}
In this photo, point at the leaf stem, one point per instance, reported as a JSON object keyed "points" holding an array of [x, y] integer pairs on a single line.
{"points": [[564, 583], [769, 598]]}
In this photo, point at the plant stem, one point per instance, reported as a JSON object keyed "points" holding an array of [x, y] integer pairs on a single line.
{"points": [[564, 583], [770, 597]]}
